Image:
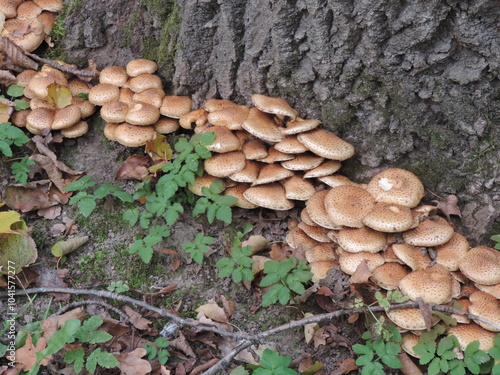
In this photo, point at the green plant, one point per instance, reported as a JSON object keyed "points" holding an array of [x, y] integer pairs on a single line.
{"points": [[239, 266], [11, 135], [87, 201], [144, 246], [199, 247], [285, 276], [214, 204], [20, 170], [118, 287], [271, 363], [15, 92], [496, 238], [378, 350], [495, 355], [157, 350]]}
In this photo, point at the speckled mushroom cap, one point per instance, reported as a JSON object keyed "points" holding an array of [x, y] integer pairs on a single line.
{"points": [[298, 188], [144, 82], [305, 218], [389, 218], [153, 96], [320, 269], [290, 145], [254, 149], [315, 206], [38, 119], [316, 233], [225, 140], [388, 275], [109, 130], [326, 144], [336, 180], [487, 307], [9, 8], [140, 113], [126, 95], [26, 33], [296, 238], [494, 289], [103, 93], [275, 156], [350, 261], [356, 240], [86, 108], [411, 256], [226, 164], [327, 168], [271, 173], [166, 125], [260, 125], [430, 232], [348, 205], [433, 285], [467, 333], [28, 9], [303, 162], [300, 126], [320, 252], [449, 254], [40, 82], [408, 341], [409, 318], [114, 111], [66, 117], [55, 6], [77, 130], [248, 174], [202, 181], [175, 106], [132, 135], [140, 66], [271, 196], [231, 117], [481, 264], [114, 75], [212, 105], [195, 118], [237, 191], [276, 106], [395, 185]]}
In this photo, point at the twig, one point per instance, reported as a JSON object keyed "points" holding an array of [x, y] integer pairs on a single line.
{"points": [[55, 64], [72, 305]]}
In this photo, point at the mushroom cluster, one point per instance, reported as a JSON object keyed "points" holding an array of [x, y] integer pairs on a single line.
{"points": [[134, 104], [55, 102], [404, 245], [29, 23], [268, 156]]}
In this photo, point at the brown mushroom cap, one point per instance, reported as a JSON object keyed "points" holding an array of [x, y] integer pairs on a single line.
{"points": [[231, 117], [356, 240], [224, 165], [274, 156], [411, 256], [300, 126], [326, 168], [395, 185], [271, 196], [409, 340], [39, 119], [409, 318], [196, 118], [26, 33], [326, 144], [66, 117], [225, 140], [467, 333], [320, 252], [487, 307], [302, 162], [175, 106], [481, 264], [449, 254], [140, 113], [114, 111], [153, 96], [166, 125], [260, 125], [103, 93], [276, 106], [212, 105], [316, 233], [388, 275], [254, 149], [304, 216], [389, 218], [320, 269], [349, 262], [249, 174], [18, 118], [494, 289], [290, 145], [238, 192], [296, 238], [9, 8], [55, 6], [86, 108], [132, 135], [433, 285], [271, 173], [27, 10], [109, 130], [429, 233], [144, 82], [77, 130], [298, 188], [336, 180], [315, 206], [40, 82], [77, 86], [114, 75], [140, 66], [202, 181], [348, 205], [126, 95]]}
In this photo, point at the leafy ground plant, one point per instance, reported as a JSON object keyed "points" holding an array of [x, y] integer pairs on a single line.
{"points": [[11, 135], [20, 170], [376, 352], [271, 363], [239, 266], [199, 247], [158, 350]]}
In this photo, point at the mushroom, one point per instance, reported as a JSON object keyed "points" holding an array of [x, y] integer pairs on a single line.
{"points": [[302, 162], [76, 130], [114, 75], [467, 333], [271, 173], [114, 111], [248, 174], [315, 206], [411, 256], [198, 118], [299, 126], [231, 117], [389, 218], [316, 233], [326, 144], [238, 192], [225, 140], [450, 253], [410, 319], [348, 205], [432, 285], [271, 196], [356, 240], [326, 168], [276, 106], [388, 275], [431, 232], [212, 105], [254, 149], [132, 135], [349, 262], [487, 307], [144, 82], [175, 106], [296, 238], [298, 188], [140, 66], [140, 113], [103, 93], [261, 125], [226, 164], [481, 264]]}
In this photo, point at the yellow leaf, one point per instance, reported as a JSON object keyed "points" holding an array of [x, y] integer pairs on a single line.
{"points": [[5, 110], [17, 250], [10, 221], [62, 248], [159, 149], [60, 95]]}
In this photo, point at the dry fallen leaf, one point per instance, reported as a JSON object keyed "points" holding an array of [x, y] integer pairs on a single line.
{"points": [[138, 321], [361, 274], [27, 354], [213, 311], [408, 366], [449, 206], [53, 324], [132, 363], [345, 367], [134, 167]]}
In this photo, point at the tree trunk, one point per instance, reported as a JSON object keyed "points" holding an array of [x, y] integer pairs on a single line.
{"points": [[411, 84]]}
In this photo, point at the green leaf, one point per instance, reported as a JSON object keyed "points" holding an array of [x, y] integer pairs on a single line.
{"points": [[271, 296], [237, 275], [131, 216], [15, 91], [104, 359], [82, 183], [284, 295], [146, 253], [444, 345], [21, 104], [63, 336], [434, 366], [211, 212], [269, 279], [99, 336], [5, 148], [224, 214], [75, 356], [391, 361], [362, 349]]}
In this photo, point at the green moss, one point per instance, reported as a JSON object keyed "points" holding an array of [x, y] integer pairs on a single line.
{"points": [[128, 32]]}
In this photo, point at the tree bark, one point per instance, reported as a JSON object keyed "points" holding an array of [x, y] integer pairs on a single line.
{"points": [[411, 84]]}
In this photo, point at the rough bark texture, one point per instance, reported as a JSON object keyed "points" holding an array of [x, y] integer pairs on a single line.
{"points": [[410, 84]]}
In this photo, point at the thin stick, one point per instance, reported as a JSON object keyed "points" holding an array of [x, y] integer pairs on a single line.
{"points": [[72, 305]]}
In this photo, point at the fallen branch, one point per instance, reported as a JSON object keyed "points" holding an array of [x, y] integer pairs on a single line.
{"points": [[72, 305]]}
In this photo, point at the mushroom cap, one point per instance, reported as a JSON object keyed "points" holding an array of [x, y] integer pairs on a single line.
{"points": [[316, 233], [18, 118], [77, 86], [411, 256], [9, 8], [271, 196], [42, 103], [290, 145], [77, 130], [254, 149], [175, 106], [238, 191], [494, 289], [336, 180], [388, 275], [320, 252], [487, 307], [40, 82], [48, 20], [114, 111], [55, 6], [433, 285], [304, 216], [66, 117], [114, 75], [356, 240], [198, 117], [481, 264], [296, 238], [226, 164], [249, 174], [349, 262], [153, 96], [261, 125], [103, 93], [166, 125], [320, 269], [409, 318], [202, 181], [298, 188], [326, 168], [25, 76], [126, 95], [449, 254], [302, 162], [145, 81], [40, 118], [299, 126], [140, 113], [348, 205], [271, 173], [225, 140], [140, 66], [231, 117], [467, 333], [429, 233], [276, 106], [409, 340], [133, 135], [212, 105], [395, 185], [26, 33], [389, 218], [315, 206], [326, 144], [86, 108], [109, 130], [274, 156], [27, 10]]}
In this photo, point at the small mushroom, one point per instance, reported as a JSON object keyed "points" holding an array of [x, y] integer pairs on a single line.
{"points": [[348, 205], [132, 135], [271, 196], [481, 264], [140, 66], [326, 144]]}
